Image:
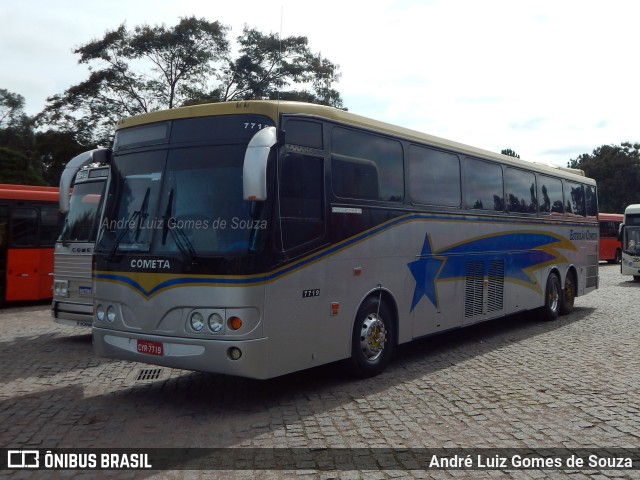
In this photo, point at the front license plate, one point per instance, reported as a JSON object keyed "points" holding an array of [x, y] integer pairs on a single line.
{"points": [[150, 348]]}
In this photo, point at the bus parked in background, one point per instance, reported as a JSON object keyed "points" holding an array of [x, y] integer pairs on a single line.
{"points": [[259, 238], [630, 237], [28, 230], [610, 247], [72, 286]]}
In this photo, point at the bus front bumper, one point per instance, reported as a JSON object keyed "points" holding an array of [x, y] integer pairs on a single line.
{"points": [[74, 314], [205, 355]]}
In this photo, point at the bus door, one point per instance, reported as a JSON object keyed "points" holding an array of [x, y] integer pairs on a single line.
{"points": [[22, 261], [4, 240], [29, 264]]}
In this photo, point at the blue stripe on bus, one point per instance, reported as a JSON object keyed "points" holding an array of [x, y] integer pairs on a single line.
{"points": [[477, 245]]}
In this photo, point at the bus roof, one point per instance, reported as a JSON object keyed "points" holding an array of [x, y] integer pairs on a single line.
{"points": [[610, 216], [28, 192], [272, 109], [633, 208]]}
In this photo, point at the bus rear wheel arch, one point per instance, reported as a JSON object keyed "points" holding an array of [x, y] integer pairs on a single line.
{"points": [[373, 338]]}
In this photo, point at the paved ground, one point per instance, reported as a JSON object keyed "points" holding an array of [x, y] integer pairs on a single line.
{"points": [[511, 383]]}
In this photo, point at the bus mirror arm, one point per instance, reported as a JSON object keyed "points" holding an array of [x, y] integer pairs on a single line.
{"points": [[620, 231], [99, 155], [254, 172]]}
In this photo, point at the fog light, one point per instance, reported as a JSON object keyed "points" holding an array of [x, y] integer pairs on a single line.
{"points": [[234, 323], [235, 353], [111, 314], [197, 321], [215, 322], [100, 313]]}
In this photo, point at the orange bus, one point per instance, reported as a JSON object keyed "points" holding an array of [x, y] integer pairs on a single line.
{"points": [[610, 248], [28, 231]]}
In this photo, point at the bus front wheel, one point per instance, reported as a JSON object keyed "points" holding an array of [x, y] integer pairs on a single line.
{"points": [[552, 295], [372, 343]]}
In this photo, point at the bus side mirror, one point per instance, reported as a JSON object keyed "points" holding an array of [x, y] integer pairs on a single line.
{"points": [[254, 171], [620, 231]]}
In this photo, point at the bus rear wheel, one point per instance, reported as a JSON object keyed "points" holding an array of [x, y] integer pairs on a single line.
{"points": [[568, 294], [372, 343], [552, 296]]}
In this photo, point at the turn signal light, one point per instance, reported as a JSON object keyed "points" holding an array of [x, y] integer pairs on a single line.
{"points": [[234, 323]]}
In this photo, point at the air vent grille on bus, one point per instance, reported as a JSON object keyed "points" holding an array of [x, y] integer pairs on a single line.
{"points": [[496, 286], [473, 289]]}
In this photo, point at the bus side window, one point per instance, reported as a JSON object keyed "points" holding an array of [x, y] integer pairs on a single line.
{"points": [[24, 227], [483, 185], [301, 199], [550, 195]]}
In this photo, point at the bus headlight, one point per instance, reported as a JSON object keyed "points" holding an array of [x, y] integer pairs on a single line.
{"points": [[111, 314], [61, 288], [197, 321], [216, 322], [100, 313]]}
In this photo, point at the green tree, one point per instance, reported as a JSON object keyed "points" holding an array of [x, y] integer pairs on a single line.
{"points": [[151, 68], [17, 168], [16, 130], [54, 149], [616, 169], [509, 152]]}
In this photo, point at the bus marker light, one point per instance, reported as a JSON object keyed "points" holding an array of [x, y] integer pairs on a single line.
{"points": [[357, 271], [335, 307], [235, 353], [234, 323]]}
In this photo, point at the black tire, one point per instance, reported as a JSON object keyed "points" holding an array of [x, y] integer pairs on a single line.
{"points": [[636, 278], [568, 294], [618, 256], [552, 298], [373, 339]]}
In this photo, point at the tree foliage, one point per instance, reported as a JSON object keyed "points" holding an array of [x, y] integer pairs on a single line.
{"points": [[152, 68], [616, 169], [17, 168], [509, 152]]}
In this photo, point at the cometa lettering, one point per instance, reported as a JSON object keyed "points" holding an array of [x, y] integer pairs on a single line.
{"points": [[152, 264]]}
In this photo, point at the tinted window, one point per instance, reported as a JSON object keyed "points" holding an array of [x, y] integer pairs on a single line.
{"points": [[366, 166], [520, 189], [609, 229], [303, 133], [301, 199], [48, 225], [24, 227], [550, 195], [434, 177], [483, 185], [574, 199], [591, 200]]}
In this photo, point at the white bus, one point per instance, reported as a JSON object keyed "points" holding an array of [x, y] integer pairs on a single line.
{"points": [[630, 237], [259, 238], [72, 283]]}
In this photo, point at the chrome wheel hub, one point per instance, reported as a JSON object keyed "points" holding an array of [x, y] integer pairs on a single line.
{"points": [[372, 337]]}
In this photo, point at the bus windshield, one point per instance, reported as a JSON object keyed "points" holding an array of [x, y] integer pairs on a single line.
{"points": [[80, 224], [186, 200], [631, 240]]}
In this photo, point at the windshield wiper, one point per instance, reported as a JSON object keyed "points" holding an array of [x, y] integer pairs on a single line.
{"points": [[133, 217], [180, 238]]}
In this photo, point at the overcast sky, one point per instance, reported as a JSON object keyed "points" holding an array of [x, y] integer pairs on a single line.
{"points": [[548, 79]]}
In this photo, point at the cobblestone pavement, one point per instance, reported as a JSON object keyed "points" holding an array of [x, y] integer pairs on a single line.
{"points": [[512, 383]]}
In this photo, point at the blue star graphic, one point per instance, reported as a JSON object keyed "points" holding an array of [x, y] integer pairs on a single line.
{"points": [[425, 271]]}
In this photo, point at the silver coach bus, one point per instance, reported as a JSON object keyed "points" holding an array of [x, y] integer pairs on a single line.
{"points": [[259, 238], [72, 284]]}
